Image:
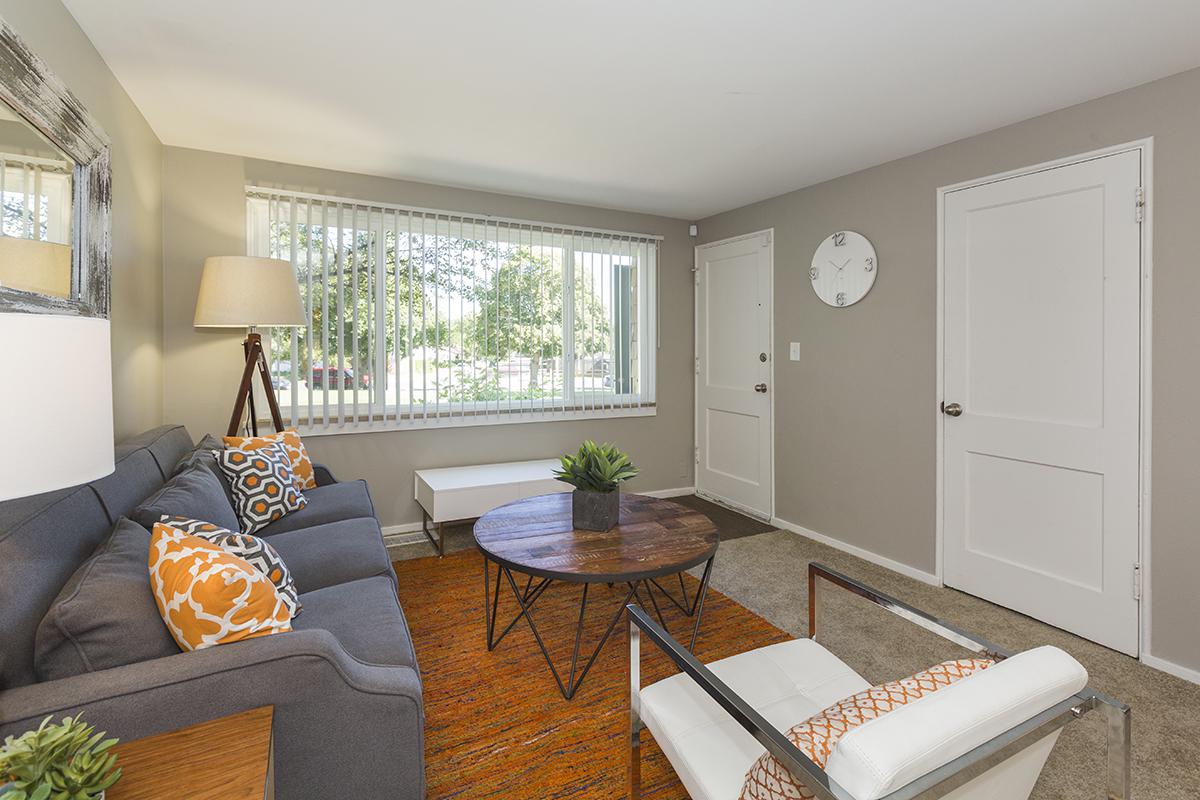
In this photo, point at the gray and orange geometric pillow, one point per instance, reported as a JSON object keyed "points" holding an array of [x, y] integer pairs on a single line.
{"points": [[292, 443], [767, 779], [255, 550], [264, 486]]}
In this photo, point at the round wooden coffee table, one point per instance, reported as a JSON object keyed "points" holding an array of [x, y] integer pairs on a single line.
{"points": [[534, 536]]}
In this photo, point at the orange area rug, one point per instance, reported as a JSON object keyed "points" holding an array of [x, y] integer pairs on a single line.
{"points": [[496, 725]]}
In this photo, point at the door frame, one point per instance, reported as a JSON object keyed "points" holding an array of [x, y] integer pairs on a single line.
{"points": [[1145, 149], [770, 234]]}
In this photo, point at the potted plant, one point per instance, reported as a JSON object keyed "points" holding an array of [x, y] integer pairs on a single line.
{"points": [[67, 761], [596, 472]]}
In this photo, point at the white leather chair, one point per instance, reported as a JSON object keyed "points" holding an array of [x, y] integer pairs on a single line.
{"points": [[983, 738]]}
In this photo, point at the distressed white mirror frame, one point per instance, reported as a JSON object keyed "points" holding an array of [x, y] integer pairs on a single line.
{"points": [[29, 86]]}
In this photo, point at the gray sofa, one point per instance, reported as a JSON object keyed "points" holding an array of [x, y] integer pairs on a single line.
{"points": [[345, 686]]}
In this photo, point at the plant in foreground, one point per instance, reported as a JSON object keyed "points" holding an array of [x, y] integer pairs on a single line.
{"points": [[67, 761]]}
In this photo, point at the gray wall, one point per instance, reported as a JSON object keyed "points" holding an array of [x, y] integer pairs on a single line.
{"points": [[855, 431], [205, 214], [137, 329]]}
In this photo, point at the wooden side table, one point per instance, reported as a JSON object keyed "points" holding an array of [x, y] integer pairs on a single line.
{"points": [[230, 758]]}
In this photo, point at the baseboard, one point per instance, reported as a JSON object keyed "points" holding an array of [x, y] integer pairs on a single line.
{"points": [[664, 493], [407, 527], [406, 533], [410, 532], [1171, 668], [865, 555]]}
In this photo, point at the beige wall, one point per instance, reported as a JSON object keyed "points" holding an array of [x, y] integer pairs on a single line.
{"points": [[855, 429], [51, 32], [204, 214]]}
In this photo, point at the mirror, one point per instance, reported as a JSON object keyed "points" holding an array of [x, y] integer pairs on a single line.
{"points": [[35, 209], [55, 192]]}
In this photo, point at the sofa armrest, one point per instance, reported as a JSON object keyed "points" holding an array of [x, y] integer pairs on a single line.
{"points": [[323, 475], [342, 728]]}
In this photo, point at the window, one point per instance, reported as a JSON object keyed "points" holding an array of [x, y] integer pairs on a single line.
{"points": [[35, 198], [421, 317]]}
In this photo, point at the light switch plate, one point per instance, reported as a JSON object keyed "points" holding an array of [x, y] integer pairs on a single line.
{"points": [[794, 351]]}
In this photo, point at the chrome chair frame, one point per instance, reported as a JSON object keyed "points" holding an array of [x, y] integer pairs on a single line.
{"points": [[935, 784]]}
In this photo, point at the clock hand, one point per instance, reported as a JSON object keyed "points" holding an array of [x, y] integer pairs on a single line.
{"points": [[848, 260]]}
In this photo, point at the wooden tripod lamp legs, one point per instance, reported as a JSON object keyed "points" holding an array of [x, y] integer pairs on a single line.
{"points": [[256, 359]]}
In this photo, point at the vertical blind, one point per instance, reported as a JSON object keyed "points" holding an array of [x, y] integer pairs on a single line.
{"points": [[418, 317], [35, 198]]}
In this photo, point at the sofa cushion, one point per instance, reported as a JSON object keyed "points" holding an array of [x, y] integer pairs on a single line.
{"points": [[105, 615], [168, 444], [203, 453], [135, 478], [333, 553], [207, 596], [43, 540], [337, 501], [365, 617], [195, 493]]}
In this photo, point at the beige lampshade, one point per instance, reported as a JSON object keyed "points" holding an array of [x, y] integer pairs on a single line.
{"points": [[33, 266], [244, 291]]}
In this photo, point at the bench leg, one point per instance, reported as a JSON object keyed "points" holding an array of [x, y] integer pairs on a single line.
{"points": [[440, 542]]}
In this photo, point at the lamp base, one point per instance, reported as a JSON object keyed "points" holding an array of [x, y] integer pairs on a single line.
{"points": [[256, 361]]}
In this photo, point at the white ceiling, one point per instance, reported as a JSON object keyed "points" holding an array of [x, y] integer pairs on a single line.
{"points": [[681, 108]]}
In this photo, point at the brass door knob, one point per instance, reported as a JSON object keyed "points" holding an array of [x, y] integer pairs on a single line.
{"points": [[760, 387], [952, 409]]}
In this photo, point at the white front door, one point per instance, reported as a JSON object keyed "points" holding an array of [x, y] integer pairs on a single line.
{"points": [[1042, 282], [733, 373]]}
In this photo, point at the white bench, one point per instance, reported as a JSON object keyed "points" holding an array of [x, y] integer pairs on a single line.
{"points": [[450, 494]]}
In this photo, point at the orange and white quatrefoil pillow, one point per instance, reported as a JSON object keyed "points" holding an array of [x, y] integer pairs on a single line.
{"points": [[767, 779], [208, 596]]}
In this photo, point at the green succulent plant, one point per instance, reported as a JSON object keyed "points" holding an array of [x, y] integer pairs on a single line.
{"points": [[67, 761], [595, 468]]}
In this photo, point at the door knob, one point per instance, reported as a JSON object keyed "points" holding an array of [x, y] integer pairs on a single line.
{"points": [[760, 387], [952, 409]]}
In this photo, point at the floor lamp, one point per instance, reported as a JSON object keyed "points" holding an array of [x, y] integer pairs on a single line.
{"points": [[245, 292]]}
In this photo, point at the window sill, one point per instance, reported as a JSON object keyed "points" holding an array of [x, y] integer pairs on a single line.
{"points": [[417, 422]]}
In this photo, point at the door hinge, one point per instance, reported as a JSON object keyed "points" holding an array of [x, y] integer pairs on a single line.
{"points": [[696, 453], [697, 365], [1137, 581], [1139, 205]]}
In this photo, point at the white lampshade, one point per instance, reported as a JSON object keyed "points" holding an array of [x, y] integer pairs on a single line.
{"points": [[244, 291], [56, 412]]}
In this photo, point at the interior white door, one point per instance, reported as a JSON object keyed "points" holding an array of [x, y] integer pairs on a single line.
{"points": [[733, 373], [1042, 354]]}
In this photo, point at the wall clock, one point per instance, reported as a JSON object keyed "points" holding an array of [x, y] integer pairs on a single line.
{"points": [[843, 268]]}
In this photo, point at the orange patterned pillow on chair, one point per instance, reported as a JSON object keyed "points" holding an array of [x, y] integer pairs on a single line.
{"points": [[816, 737], [207, 596], [292, 443]]}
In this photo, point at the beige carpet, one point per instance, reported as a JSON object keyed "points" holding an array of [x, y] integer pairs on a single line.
{"points": [[767, 574]]}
